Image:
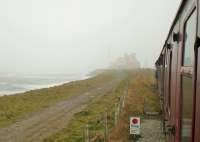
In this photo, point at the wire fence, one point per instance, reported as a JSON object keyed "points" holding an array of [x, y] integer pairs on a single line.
{"points": [[99, 129]]}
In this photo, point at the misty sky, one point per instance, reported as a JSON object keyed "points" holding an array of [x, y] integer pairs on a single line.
{"points": [[65, 36]]}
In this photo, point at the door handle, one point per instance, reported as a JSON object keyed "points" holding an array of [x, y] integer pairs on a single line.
{"points": [[197, 42], [171, 129]]}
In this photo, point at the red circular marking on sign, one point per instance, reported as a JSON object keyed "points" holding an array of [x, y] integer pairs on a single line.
{"points": [[135, 121]]}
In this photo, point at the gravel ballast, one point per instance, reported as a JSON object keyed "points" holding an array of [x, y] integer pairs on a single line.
{"points": [[151, 131]]}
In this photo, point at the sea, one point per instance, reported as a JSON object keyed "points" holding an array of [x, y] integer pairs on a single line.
{"points": [[11, 84]]}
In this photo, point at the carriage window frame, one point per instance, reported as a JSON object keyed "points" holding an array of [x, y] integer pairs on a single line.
{"points": [[186, 68]]}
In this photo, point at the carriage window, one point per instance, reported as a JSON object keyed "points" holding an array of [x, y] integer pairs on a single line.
{"points": [[189, 37], [187, 108]]}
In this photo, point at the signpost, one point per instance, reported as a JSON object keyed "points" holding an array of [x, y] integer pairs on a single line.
{"points": [[135, 126]]}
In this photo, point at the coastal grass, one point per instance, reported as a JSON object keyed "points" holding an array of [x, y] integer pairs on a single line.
{"points": [[142, 94], [92, 116], [15, 107]]}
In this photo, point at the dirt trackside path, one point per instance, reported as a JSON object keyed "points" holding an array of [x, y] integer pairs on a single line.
{"points": [[50, 120]]}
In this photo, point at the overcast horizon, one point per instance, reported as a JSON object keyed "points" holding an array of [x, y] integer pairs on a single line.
{"points": [[76, 36]]}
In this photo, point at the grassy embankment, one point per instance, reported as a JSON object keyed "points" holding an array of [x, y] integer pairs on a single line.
{"points": [[140, 88], [94, 116], [142, 93], [15, 107]]}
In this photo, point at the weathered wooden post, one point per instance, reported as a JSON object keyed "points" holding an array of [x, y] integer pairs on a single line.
{"points": [[106, 127], [87, 137]]}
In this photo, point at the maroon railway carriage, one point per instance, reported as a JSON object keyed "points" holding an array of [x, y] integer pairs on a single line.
{"points": [[178, 73]]}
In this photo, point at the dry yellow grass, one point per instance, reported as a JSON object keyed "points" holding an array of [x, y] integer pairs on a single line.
{"points": [[141, 89], [93, 115]]}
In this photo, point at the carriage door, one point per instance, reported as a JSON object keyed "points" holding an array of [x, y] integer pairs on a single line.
{"points": [[173, 97], [197, 111], [173, 60], [169, 87], [187, 95]]}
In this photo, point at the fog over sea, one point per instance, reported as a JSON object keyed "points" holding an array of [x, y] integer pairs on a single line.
{"points": [[11, 84]]}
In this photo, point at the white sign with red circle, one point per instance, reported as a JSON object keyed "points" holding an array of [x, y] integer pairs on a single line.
{"points": [[135, 125]]}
